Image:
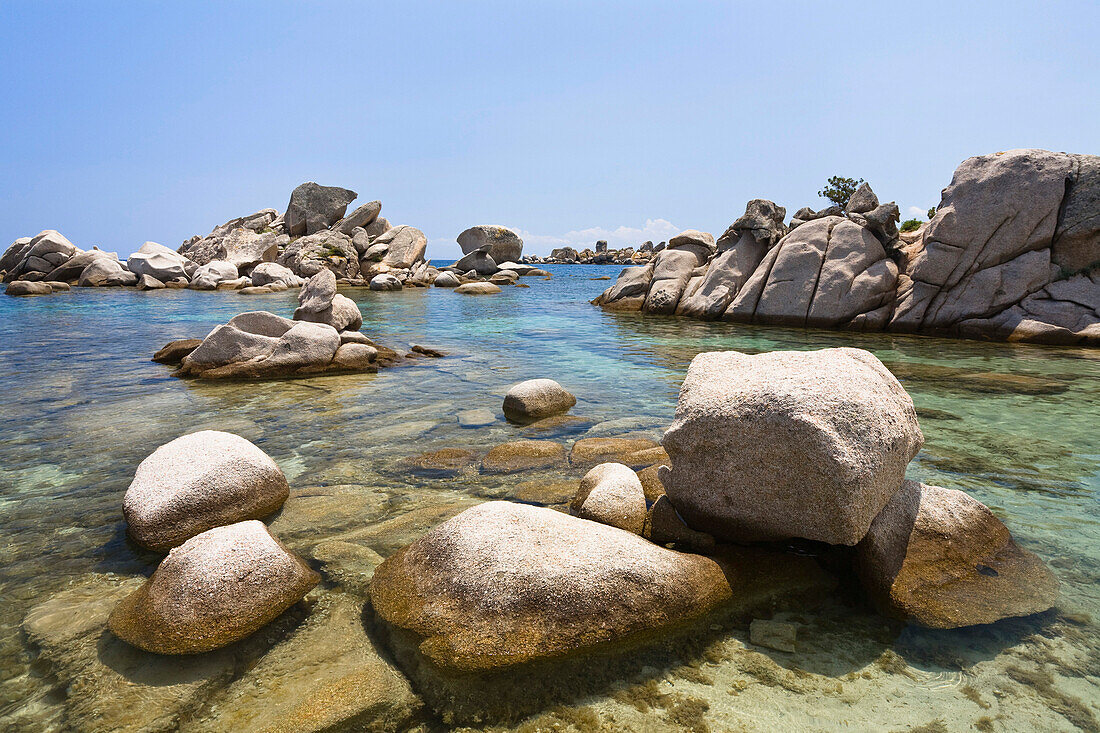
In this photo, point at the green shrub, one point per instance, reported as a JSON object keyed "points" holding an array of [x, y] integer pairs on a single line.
{"points": [[931, 213], [910, 225]]}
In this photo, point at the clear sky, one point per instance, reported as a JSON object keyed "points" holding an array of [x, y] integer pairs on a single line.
{"points": [[567, 121]]}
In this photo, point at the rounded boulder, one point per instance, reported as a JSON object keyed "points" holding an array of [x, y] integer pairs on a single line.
{"points": [[536, 399]]}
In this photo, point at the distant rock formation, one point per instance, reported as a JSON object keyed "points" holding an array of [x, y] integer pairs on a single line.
{"points": [[1013, 253]]}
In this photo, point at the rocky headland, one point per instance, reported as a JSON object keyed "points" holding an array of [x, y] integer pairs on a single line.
{"points": [[1012, 253]]}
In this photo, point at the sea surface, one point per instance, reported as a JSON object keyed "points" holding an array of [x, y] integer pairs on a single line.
{"points": [[1016, 426]]}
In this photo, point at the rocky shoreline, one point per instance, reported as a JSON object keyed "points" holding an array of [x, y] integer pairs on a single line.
{"points": [[493, 614], [1012, 254], [268, 252]]}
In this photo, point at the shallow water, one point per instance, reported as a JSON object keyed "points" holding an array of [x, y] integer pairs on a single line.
{"points": [[1016, 426]]}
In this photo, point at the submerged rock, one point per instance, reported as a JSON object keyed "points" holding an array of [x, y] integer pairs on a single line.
{"points": [[217, 588], [478, 289], [198, 482], [611, 493], [939, 558], [590, 451], [523, 455], [505, 583], [26, 287], [174, 351], [787, 444], [535, 399]]}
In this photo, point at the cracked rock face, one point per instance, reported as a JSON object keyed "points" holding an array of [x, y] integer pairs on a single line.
{"points": [[1012, 253], [788, 444], [314, 207]]}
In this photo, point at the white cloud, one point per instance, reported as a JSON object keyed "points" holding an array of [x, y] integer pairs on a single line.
{"points": [[917, 211], [655, 230]]}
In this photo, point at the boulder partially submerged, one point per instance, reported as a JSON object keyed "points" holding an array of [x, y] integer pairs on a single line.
{"points": [[217, 588], [262, 345], [939, 558], [197, 482], [535, 399]]}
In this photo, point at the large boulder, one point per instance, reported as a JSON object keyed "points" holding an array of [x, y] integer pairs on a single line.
{"points": [[14, 254], [74, 267], [26, 287], [939, 558], [244, 241], [506, 583], [363, 216], [385, 282], [156, 260], [701, 244], [314, 207], [405, 246], [317, 293], [762, 220], [830, 272], [210, 275], [862, 200], [725, 276], [611, 493], [785, 444], [504, 244], [672, 269], [477, 289], [535, 399], [217, 588], [342, 314], [245, 248], [267, 273], [480, 261], [105, 272], [306, 256], [197, 482]]}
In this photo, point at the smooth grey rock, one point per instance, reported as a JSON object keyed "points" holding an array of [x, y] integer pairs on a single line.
{"points": [[862, 201], [342, 314], [148, 282], [361, 217], [480, 261], [537, 398], [405, 246], [695, 241], [266, 273], [317, 294], [446, 280], [26, 287], [157, 261], [385, 281], [210, 275]]}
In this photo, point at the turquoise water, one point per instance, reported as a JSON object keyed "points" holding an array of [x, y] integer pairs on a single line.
{"points": [[1016, 426]]}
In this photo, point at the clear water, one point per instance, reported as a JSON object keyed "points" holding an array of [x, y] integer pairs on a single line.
{"points": [[84, 405]]}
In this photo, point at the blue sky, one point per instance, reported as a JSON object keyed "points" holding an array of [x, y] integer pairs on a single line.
{"points": [[567, 121]]}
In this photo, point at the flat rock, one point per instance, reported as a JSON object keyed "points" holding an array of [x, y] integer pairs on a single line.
{"points": [[523, 455], [502, 244], [174, 351], [590, 451], [478, 289], [442, 462]]}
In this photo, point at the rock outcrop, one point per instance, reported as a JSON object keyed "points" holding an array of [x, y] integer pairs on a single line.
{"points": [[318, 302], [197, 482], [218, 587], [314, 208], [262, 345], [939, 558], [1013, 253], [788, 444]]}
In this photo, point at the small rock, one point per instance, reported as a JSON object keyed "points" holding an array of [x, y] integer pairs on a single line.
{"points": [[477, 289], [776, 635], [174, 351], [611, 494], [535, 399], [523, 455], [476, 418]]}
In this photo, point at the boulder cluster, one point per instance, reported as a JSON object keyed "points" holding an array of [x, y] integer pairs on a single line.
{"points": [[199, 498], [1013, 253], [791, 447], [601, 255]]}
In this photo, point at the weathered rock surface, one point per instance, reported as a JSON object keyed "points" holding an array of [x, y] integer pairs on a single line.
{"points": [[611, 493], [105, 272], [479, 261], [174, 351], [157, 261], [217, 588], [306, 256], [788, 444], [313, 208], [267, 273], [385, 282], [197, 482], [261, 345], [447, 280], [1013, 234], [405, 246], [523, 455], [503, 244], [26, 287], [535, 399], [212, 274], [362, 217], [938, 557]]}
